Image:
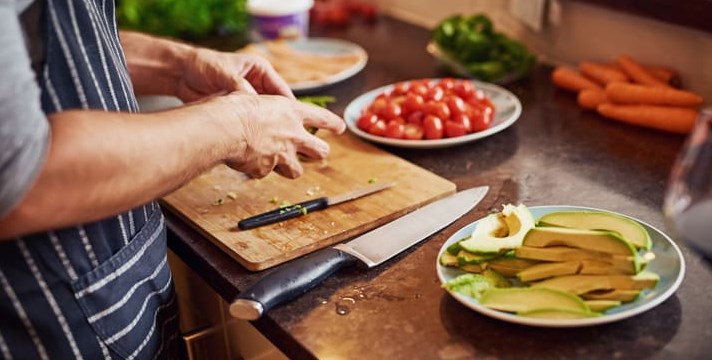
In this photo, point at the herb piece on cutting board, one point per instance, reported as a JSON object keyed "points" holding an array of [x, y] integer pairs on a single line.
{"points": [[567, 264], [485, 54]]}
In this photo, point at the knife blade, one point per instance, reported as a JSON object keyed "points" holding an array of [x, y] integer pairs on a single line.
{"points": [[305, 207], [372, 248]]}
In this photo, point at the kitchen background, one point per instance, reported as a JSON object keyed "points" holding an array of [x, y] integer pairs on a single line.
{"points": [[558, 31]]}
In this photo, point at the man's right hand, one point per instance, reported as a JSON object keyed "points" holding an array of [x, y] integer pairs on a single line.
{"points": [[270, 132]]}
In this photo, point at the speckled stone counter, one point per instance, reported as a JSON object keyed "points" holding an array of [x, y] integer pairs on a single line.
{"points": [[554, 154]]}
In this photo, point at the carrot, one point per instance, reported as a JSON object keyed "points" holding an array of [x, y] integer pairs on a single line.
{"points": [[661, 73], [672, 119], [571, 80], [638, 73], [640, 94], [591, 98], [602, 74]]}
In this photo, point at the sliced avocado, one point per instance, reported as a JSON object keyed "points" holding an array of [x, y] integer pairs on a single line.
{"points": [[602, 305], [631, 264], [465, 257], [447, 259], [474, 268], [510, 266], [497, 279], [527, 299], [549, 269], [555, 313], [581, 284], [502, 231], [596, 240], [455, 247], [629, 229], [619, 295], [609, 267]]}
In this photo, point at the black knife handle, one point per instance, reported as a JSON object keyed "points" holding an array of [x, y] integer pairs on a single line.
{"points": [[288, 282], [283, 213]]}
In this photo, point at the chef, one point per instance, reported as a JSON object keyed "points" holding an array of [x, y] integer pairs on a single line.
{"points": [[83, 271]]}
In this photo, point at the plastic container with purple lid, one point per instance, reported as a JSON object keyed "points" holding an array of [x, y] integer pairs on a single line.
{"points": [[279, 19]]}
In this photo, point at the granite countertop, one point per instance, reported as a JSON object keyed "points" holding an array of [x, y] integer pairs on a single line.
{"points": [[554, 154]]}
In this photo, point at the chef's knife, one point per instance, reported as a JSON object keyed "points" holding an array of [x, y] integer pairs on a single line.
{"points": [[305, 207], [372, 248]]}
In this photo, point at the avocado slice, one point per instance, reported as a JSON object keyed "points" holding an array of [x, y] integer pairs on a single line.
{"points": [[629, 229], [602, 305], [510, 266], [581, 284], [447, 259], [501, 231], [474, 268], [519, 300], [473, 285], [465, 257], [547, 270], [556, 313], [626, 264], [615, 295], [596, 240]]}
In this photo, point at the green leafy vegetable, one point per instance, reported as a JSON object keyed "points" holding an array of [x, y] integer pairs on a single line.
{"points": [[184, 18], [484, 53]]}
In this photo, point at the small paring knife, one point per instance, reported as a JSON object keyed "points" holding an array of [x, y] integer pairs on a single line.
{"points": [[305, 207]]}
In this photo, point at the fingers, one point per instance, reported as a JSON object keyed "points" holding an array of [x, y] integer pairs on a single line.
{"points": [[312, 147], [315, 116]]}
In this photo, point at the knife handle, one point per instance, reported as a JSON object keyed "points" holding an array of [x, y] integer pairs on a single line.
{"points": [[283, 213], [288, 282]]}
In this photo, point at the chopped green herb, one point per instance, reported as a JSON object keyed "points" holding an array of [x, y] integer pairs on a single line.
{"points": [[285, 204], [372, 180], [274, 200], [321, 101], [218, 201]]}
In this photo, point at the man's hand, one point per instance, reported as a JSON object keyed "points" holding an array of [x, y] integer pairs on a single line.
{"points": [[208, 72], [271, 132]]}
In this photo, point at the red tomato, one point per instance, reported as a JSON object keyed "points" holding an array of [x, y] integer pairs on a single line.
{"points": [[377, 105], [418, 89], [391, 111], [435, 93], [398, 120], [379, 128], [478, 119], [413, 102], [416, 118], [401, 88], [464, 120], [454, 129], [464, 89], [438, 109], [432, 127], [395, 130], [366, 120], [448, 84], [413, 132], [455, 104]]}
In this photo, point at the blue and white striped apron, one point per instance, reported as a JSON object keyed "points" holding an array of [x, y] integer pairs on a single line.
{"points": [[97, 290]]}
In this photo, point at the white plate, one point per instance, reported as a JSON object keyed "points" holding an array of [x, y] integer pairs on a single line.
{"points": [[507, 111], [328, 47], [668, 263]]}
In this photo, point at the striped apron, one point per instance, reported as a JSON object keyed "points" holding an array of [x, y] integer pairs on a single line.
{"points": [[96, 290]]}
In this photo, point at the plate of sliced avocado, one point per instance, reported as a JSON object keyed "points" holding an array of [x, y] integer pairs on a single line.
{"points": [[560, 266]]}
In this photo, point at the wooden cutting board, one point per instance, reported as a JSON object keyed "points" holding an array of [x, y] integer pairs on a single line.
{"points": [[214, 202]]}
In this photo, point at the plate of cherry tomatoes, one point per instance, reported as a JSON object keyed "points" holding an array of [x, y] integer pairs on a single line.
{"points": [[432, 113]]}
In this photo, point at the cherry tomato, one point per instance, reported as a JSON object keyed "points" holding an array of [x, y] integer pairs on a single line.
{"points": [[435, 93], [413, 102], [413, 132], [416, 118], [454, 129], [366, 120], [464, 120], [464, 89], [399, 120], [401, 88], [478, 119], [448, 84], [455, 104], [379, 128], [438, 109], [432, 127], [395, 130], [390, 111], [377, 106]]}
